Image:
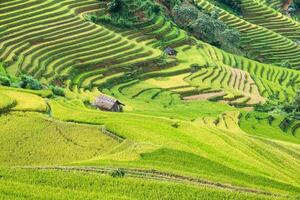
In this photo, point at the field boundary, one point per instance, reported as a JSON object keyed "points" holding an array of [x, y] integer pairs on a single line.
{"points": [[161, 176]]}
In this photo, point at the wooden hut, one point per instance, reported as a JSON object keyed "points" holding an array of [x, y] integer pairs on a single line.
{"points": [[170, 51], [106, 103]]}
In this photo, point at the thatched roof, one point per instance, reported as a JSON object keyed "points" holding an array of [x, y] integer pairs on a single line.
{"points": [[105, 102], [170, 51]]}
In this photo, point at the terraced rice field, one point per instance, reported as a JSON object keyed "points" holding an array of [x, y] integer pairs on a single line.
{"points": [[240, 87], [129, 188], [262, 15], [184, 133], [267, 44], [269, 79], [166, 137], [36, 147], [51, 41], [275, 4], [6, 102]]}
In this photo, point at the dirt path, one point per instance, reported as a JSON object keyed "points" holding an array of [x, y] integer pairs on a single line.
{"points": [[162, 176]]}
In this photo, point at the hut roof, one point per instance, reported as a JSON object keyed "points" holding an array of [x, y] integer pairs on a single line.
{"points": [[106, 102], [170, 51]]}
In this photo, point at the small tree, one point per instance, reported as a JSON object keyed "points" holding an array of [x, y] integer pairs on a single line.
{"points": [[185, 15], [206, 28], [175, 125], [228, 39], [118, 173]]}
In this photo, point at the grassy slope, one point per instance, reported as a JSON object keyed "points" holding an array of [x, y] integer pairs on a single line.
{"points": [[231, 148], [6, 102], [31, 184], [189, 146], [146, 98], [38, 140], [257, 124], [2, 69]]}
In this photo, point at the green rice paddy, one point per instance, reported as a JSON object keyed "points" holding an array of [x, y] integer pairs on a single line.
{"points": [[184, 133]]}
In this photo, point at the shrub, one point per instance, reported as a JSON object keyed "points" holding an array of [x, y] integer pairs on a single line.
{"points": [[274, 96], [5, 81], [58, 91], [118, 173], [263, 108], [285, 124], [289, 109], [29, 82], [270, 119], [195, 67], [132, 72], [175, 125]]}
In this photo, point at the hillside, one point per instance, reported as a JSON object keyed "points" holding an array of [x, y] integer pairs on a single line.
{"points": [[208, 94]]}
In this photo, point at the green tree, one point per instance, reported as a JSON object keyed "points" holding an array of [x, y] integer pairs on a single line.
{"points": [[207, 27], [185, 15], [29, 82]]}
